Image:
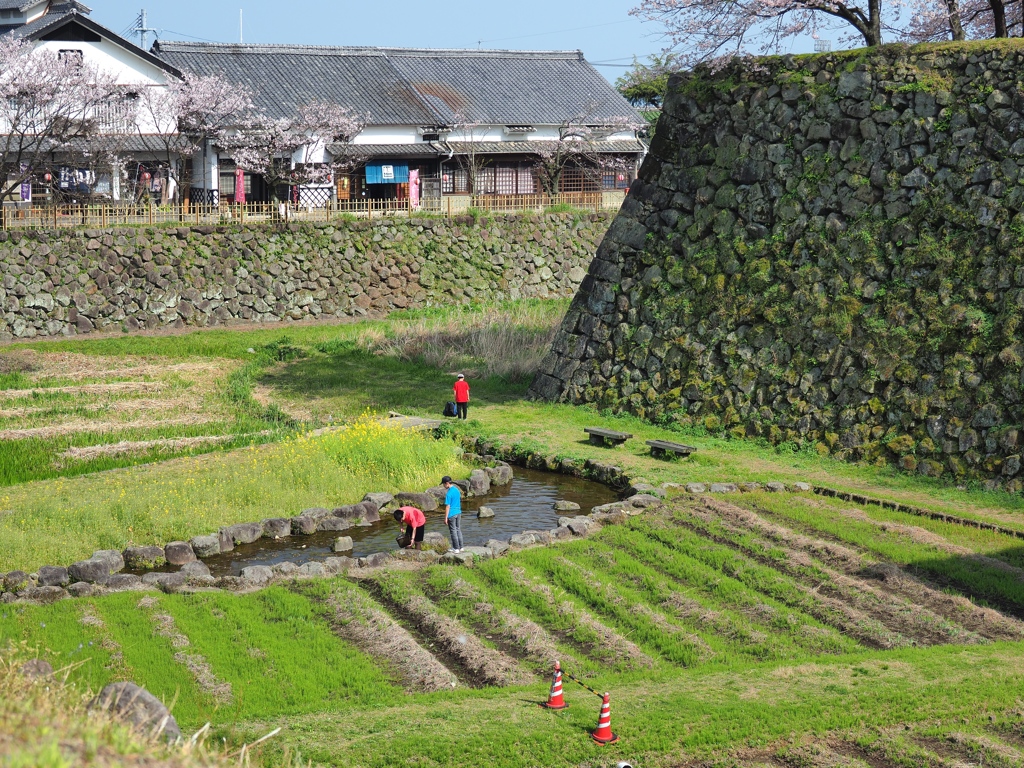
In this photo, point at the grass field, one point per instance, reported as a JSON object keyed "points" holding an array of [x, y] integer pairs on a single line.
{"points": [[753, 629], [749, 623]]}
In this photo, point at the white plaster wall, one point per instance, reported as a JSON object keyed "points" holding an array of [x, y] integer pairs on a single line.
{"points": [[388, 134], [127, 68]]}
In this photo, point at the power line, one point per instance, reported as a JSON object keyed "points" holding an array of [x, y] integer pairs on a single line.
{"points": [[555, 31], [190, 37]]}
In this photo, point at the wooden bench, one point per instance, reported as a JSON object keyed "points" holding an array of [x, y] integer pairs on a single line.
{"points": [[663, 447], [600, 436]]}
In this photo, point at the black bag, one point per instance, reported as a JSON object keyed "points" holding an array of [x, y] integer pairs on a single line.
{"points": [[450, 409], [404, 540]]}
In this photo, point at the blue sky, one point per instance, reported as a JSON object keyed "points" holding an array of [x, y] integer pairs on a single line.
{"points": [[602, 29]]}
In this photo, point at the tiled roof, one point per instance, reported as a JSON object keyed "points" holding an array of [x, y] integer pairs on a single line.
{"points": [[284, 77], [18, 5], [527, 147], [78, 14], [420, 149], [413, 86], [511, 87]]}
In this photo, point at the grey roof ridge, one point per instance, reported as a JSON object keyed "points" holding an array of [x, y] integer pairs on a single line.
{"points": [[364, 50]]}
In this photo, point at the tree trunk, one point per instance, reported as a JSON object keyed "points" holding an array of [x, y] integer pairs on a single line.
{"points": [[999, 17], [873, 35], [956, 27]]}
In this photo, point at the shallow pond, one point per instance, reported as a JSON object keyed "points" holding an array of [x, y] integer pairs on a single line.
{"points": [[525, 503]]}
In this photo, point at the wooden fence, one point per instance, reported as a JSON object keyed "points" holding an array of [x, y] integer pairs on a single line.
{"points": [[71, 216]]}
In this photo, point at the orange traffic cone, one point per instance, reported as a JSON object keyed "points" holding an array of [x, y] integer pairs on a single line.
{"points": [[603, 733], [555, 700]]}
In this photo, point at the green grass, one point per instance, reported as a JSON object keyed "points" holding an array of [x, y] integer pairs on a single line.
{"points": [[60, 521], [972, 577], [278, 653]]}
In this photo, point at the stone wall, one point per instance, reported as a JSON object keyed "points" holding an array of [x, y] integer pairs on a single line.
{"points": [[69, 282], [824, 250]]}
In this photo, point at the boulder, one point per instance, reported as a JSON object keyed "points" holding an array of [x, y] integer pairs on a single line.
{"points": [[479, 483], [52, 576], [560, 533], [485, 512], [696, 488], [16, 581], [243, 533], [92, 571], [334, 524], [802, 487], [311, 570], [616, 517], [580, 526], [523, 540], [170, 582], [381, 499], [317, 513], [276, 527], [542, 537], [227, 541], [640, 487], [287, 568], [44, 594], [775, 487], [438, 492], [342, 544], [144, 558], [565, 506], [139, 708], [749, 487], [206, 546], [643, 500], [179, 553], [83, 589], [113, 559], [723, 488], [615, 506], [370, 512], [348, 512], [8, 597], [500, 474], [304, 526], [423, 501], [119, 582], [339, 564], [375, 560], [257, 574], [195, 570], [36, 668]]}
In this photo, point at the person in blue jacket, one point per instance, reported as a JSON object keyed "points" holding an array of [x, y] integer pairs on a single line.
{"points": [[453, 512]]}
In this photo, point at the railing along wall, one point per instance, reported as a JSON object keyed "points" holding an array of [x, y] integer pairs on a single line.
{"points": [[72, 216]]}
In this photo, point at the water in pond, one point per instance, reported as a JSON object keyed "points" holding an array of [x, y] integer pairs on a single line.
{"points": [[526, 503]]}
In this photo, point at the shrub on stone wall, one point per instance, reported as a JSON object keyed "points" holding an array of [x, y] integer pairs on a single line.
{"points": [[827, 250]]}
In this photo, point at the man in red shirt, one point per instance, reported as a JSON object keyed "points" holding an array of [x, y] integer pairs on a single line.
{"points": [[415, 523], [461, 389]]}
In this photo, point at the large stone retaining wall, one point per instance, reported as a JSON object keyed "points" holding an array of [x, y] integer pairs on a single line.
{"points": [[823, 250], [66, 282]]}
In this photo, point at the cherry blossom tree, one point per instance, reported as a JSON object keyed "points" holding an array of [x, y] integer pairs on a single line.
{"points": [[179, 119], [579, 145], [53, 109], [712, 30], [294, 150]]}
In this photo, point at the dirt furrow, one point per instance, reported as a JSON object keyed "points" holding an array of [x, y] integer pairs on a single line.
{"points": [[86, 389], [483, 665], [895, 612], [356, 617], [821, 755], [984, 750], [616, 648], [518, 636], [613, 596], [111, 646], [196, 664], [986, 622]]}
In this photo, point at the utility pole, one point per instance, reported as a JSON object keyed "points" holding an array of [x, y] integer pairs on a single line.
{"points": [[142, 29]]}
